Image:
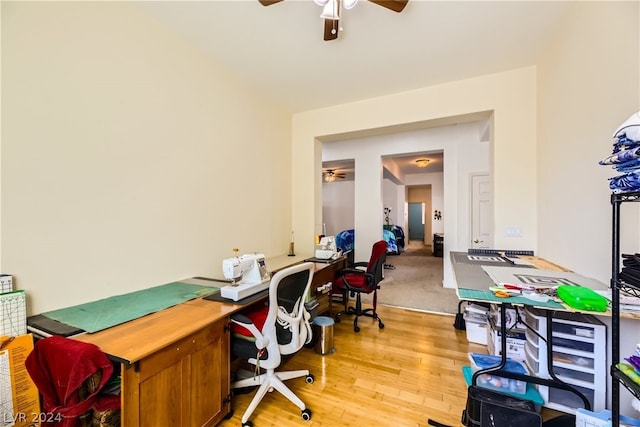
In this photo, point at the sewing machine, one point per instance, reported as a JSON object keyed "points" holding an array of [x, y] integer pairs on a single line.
{"points": [[326, 249], [248, 275]]}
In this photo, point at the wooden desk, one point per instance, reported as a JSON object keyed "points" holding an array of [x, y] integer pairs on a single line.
{"points": [[175, 363], [323, 273]]}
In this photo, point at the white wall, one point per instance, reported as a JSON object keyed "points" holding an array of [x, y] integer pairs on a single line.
{"points": [[338, 206], [129, 159], [464, 153], [511, 95], [392, 196], [436, 181]]}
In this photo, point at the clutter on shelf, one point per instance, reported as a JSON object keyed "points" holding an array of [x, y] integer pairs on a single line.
{"points": [[625, 157]]}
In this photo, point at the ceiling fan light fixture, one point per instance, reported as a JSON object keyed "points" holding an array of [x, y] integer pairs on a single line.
{"points": [[331, 10], [422, 163]]}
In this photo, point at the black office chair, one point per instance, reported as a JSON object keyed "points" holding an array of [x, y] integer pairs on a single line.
{"points": [[356, 281], [281, 328]]}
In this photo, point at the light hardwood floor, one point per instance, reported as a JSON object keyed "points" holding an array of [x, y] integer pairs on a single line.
{"points": [[401, 375]]}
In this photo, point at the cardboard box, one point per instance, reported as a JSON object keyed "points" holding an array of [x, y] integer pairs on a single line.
{"points": [[18, 394]]}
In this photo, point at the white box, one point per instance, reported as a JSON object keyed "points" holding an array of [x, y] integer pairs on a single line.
{"points": [[476, 331], [516, 341], [6, 283]]}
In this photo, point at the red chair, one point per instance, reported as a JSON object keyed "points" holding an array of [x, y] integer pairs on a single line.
{"points": [[356, 281]]}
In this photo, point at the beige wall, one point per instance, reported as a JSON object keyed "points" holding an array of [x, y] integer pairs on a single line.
{"points": [[123, 148], [129, 159], [588, 85], [510, 95], [552, 123]]}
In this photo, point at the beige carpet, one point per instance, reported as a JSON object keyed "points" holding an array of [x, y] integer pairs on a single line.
{"points": [[416, 282]]}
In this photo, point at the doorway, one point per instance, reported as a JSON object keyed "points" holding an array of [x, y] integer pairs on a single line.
{"points": [[481, 212], [416, 221]]}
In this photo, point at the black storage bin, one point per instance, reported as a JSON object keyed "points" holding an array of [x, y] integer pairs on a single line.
{"points": [[438, 245]]}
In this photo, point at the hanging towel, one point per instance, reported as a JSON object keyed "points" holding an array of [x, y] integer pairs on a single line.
{"points": [[62, 368]]}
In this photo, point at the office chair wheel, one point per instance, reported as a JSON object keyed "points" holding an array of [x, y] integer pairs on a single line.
{"points": [[356, 328], [247, 424], [380, 325], [306, 414], [310, 379]]}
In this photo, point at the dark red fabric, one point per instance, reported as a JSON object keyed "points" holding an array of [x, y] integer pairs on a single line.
{"points": [[59, 366], [354, 280], [362, 281], [258, 317]]}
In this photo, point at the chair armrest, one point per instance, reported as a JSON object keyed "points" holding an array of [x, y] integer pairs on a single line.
{"points": [[345, 271], [245, 322], [241, 319]]}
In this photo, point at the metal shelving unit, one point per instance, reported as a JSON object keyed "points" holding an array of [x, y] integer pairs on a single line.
{"points": [[617, 285]]}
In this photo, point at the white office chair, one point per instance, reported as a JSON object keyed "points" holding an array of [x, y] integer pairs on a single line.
{"points": [[285, 330]]}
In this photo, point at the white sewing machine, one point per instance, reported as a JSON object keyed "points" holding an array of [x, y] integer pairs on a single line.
{"points": [[248, 275], [326, 249]]}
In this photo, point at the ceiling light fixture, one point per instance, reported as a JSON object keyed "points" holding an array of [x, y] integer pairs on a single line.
{"points": [[422, 163], [329, 178], [331, 9]]}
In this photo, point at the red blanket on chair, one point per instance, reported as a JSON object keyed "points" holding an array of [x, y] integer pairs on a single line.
{"points": [[59, 367]]}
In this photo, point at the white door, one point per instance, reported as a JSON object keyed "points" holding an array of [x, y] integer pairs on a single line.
{"points": [[481, 212]]}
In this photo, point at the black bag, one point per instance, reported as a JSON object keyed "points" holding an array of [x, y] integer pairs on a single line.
{"points": [[487, 408], [459, 323]]}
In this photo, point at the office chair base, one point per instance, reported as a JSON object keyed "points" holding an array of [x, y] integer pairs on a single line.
{"points": [[269, 381], [368, 312]]}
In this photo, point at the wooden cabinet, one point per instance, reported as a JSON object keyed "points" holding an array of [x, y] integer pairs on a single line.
{"points": [[183, 384], [322, 275], [174, 365]]}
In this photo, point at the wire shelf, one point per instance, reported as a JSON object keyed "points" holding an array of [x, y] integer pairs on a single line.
{"points": [[626, 381], [625, 197]]}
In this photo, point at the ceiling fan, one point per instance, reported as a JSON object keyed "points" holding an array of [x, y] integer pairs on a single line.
{"points": [[330, 175], [332, 8]]}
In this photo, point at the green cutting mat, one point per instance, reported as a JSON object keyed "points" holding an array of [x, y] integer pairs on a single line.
{"points": [[105, 313], [488, 296]]}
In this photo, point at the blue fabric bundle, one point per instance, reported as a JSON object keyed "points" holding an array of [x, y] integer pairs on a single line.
{"points": [[625, 157]]}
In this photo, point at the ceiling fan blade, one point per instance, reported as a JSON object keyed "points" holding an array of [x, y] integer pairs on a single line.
{"points": [[395, 5], [269, 2], [331, 27]]}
